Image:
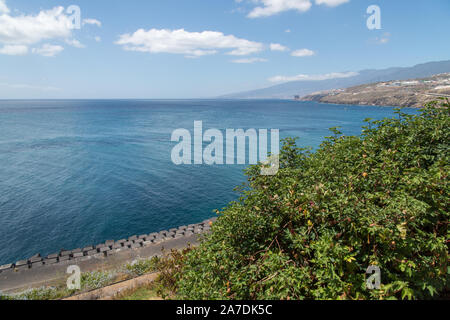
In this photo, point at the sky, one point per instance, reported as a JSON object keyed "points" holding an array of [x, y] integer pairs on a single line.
{"points": [[176, 49]]}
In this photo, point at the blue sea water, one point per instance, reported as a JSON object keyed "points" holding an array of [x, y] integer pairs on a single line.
{"points": [[79, 172]]}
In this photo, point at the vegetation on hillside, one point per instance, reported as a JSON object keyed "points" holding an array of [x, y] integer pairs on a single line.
{"points": [[311, 231]]}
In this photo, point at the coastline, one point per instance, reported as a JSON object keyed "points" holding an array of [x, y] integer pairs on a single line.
{"points": [[37, 271], [337, 104]]}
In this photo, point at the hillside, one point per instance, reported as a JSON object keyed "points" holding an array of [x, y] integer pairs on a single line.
{"points": [[410, 93], [290, 89]]}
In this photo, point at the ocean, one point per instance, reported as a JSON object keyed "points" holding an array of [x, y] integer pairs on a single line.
{"points": [[79, 172]]}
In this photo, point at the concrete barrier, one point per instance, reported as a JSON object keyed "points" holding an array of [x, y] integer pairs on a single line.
{"points": [[109, 247]]}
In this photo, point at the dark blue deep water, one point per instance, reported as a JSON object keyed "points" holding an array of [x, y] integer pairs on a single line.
{"points": [[75, 173]]}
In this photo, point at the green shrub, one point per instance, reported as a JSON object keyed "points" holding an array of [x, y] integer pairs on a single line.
{"points": [[43, 293], [89, 281], [4, 296], [311, 231], [169, 267], [96, 279], [140, 267]]}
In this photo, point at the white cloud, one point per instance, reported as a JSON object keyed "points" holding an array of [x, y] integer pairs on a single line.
{"points": [[287, 30], [98, 39], [75, 43], [191, 44], [92, 21], [3, 7], [331, 3], [249, 60], [48, 50], [20, 31], [14, 50], [317, 77], [30, 29], [303, 53], [272, 7], [269, 8], [278, 47]]}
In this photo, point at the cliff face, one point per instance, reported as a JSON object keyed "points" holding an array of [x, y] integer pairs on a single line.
{"points": [[409, 93]]}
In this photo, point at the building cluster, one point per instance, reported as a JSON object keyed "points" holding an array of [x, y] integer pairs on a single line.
{"points": [[440, 81]]}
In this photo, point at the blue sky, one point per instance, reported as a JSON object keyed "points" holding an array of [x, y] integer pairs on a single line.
{"points": [[205, 48]]}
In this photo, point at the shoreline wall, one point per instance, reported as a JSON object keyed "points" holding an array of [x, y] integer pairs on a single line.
{"points": [[107, 248]]}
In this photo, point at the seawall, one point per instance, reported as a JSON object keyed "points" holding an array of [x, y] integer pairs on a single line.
{"points": [[37, 271]]}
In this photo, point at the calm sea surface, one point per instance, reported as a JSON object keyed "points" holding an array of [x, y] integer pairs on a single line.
{"points": [[75, 173]]}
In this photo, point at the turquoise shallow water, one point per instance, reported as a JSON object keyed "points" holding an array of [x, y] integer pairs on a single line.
{"points": [[75, 173]]}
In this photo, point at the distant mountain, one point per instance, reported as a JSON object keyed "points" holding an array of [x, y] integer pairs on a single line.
{"points": [[302, 88]]}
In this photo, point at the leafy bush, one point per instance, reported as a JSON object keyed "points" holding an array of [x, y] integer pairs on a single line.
{"points": [[140, 267], [96, 279], [169, 267], [4, 296], [311, 231], [43, 293]]}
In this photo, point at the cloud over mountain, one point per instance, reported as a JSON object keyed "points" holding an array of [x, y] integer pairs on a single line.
{"points": [[316, 77]]}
